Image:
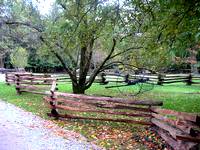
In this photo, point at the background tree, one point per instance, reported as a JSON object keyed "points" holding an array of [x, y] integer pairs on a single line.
{"points": [[172, 27], [17, 30], [19, 58]]}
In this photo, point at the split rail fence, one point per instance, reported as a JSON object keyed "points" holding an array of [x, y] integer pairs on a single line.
{"points": [[32, 83], [159, 79], [179, 129], [64, 78], [76, 103], [10, 77]]}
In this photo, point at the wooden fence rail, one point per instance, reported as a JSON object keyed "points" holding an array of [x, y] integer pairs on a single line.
{"points": [[10, 77], [5, 70], [159, 79], [74, 103], [179, 129], [32, 83]]}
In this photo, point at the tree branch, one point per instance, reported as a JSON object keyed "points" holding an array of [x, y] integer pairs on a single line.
{"points": [[69, 55], [107, 66], [69, 71], [97, 70], [63, 6], [128, 49], [44, 41], [23, 24]]}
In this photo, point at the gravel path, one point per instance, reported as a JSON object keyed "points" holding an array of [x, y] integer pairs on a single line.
{"points": [[21, 130], [2, 77]]}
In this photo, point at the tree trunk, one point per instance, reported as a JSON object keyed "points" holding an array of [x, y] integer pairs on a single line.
{"points": [[1, 62], [78, 89]]}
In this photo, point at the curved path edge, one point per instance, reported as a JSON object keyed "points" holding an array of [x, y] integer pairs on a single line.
{"points": [[21, 130]]}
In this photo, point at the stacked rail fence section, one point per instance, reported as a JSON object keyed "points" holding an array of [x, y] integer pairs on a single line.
{"points": [[180, 130]]}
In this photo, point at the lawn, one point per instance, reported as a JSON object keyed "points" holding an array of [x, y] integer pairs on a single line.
{"points": [[111, 135], [178, 97]]}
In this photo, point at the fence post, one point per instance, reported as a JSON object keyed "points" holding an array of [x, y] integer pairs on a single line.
{"points": [[126, 78], [160, 79], [103, 78], [17, 82], [46, 76], [189, 79], [53, 103], [31, 75], [6, 78]]}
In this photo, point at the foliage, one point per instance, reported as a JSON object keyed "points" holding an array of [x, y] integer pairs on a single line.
{"points": [[170, 27], [14, 36], [143, 34], [79, 28], [19, 57], [42, 62]]}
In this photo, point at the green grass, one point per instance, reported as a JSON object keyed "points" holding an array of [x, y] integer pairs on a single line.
{"points": [[177, 97], [26, 101], [174, 96]]}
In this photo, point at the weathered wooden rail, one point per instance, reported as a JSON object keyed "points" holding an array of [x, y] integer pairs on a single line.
{"points": [[5, 70], [100, 105], [179, 129], [37, 84], [162, 79], [29, 82], [10, 77], [159, 79]]}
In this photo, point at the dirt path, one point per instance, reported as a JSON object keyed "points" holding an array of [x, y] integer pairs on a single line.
{"points": [[20, 130]]}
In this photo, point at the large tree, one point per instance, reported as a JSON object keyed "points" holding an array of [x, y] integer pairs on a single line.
{"points": [[76, 29]]}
